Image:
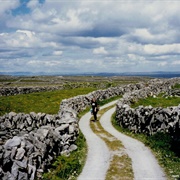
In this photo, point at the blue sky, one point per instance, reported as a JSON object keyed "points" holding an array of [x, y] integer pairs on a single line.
{"points": [[89, 36]]}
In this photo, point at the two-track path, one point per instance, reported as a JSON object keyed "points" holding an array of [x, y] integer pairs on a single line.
{"points": [[144, 164]]}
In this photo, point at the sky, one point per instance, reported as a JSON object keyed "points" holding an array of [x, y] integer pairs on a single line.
{"points": [[84, 36]]}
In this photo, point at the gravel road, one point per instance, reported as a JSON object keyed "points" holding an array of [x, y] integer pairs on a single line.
{"points": [[145, 166], [98, 156]]}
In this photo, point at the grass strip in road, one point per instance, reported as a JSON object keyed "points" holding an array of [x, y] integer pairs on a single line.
{"points": [[120, 165]]}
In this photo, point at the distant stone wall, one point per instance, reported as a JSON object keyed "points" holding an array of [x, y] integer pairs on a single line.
{"points": [[173, 92], [11, 91], [79, 103], [131, 93]]}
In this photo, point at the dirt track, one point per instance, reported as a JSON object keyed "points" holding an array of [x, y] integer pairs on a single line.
{"points": [[144, 163]]}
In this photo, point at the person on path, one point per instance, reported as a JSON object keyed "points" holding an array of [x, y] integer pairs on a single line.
{"points": [[95, 109]]}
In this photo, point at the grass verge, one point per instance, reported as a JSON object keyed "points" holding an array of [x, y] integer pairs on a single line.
{"points": [[69, 167], [176, 86]]}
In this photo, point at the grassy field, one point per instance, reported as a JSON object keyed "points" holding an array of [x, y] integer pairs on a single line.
{"points": [[47, 102], [159, 101]]}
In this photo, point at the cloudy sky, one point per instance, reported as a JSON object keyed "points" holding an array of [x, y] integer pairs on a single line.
{"points": [[73, 36]]}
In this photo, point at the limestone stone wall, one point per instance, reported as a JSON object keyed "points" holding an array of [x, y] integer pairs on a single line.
{"points": [[11, 91], [30, 142], [147, 119], [79, 103]]}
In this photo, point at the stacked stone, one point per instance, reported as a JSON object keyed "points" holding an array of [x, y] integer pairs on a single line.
{"points": [[39, 139], [79, 103], [147, 119], [153, 87], [10, 91], [18, 124], [173, 92]]}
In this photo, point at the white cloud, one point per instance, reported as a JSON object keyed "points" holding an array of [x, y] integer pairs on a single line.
{"points": [[176, 62], [33, 4], [21, 38], [57, 53], [133, 36], [162, 49], [100, 50], [29, 34], [143, 34]]}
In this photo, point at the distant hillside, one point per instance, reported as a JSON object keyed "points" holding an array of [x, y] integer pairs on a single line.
{"points": [[158, 74]]}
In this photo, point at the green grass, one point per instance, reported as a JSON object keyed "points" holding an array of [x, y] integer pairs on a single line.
{"points": [[176, 86], [105, 101], [47, 102], [159, 101]]}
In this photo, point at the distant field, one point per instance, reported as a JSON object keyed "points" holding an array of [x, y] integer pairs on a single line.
{"points": [[10, 81]]}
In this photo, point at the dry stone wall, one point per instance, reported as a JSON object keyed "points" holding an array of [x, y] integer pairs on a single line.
{"points": [[173, 92], [79, 103], [11, 91], [30, 142], [147, 119]]}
